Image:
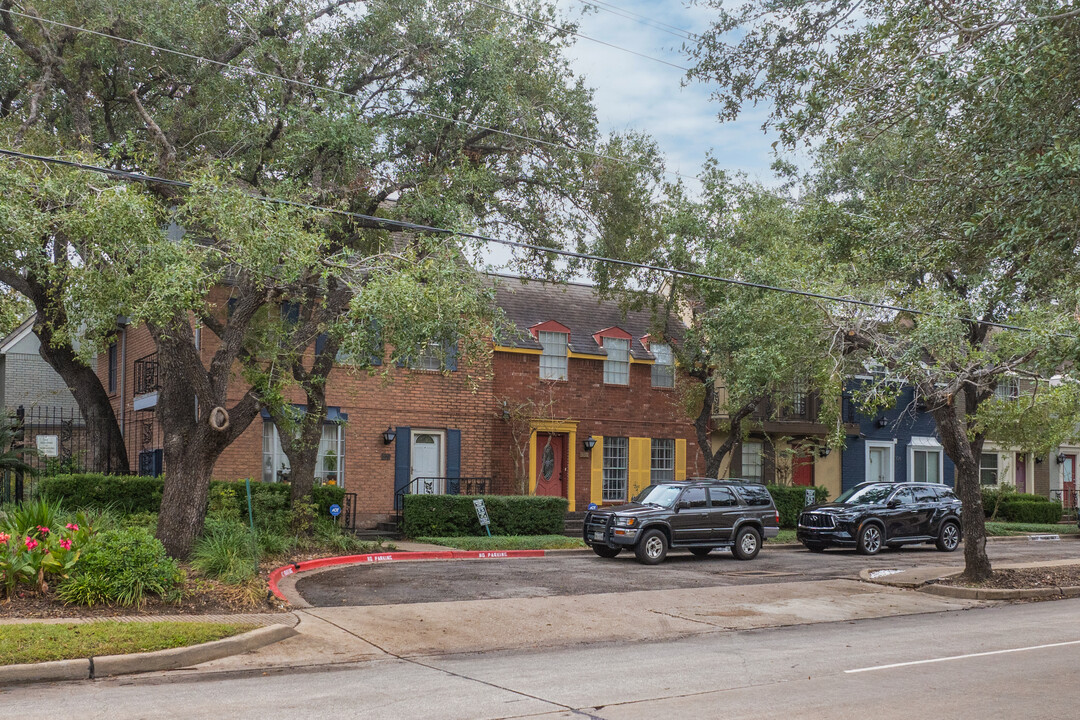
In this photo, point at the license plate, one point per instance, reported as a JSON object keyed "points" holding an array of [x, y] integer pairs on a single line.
{"points": [[598, 535]]}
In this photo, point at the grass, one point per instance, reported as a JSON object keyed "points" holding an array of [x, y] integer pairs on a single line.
{"points": [[785, 536], [506, 542], [997, 529], [39, 642]]}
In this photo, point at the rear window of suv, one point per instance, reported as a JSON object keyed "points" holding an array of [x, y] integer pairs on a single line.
{"points": [[755, 495]]}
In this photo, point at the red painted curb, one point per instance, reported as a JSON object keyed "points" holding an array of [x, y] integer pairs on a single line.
{"points": [[286, 570]]}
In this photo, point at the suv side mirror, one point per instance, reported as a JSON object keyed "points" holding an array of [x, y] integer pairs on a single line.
{"points": [[682, 505], [893, 503]]}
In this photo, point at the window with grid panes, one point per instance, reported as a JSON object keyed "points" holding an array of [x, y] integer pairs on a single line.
{"points": [[663, 460], [617, 362], [752, 464], [798, 397], [553, 355], [616, 468], [988, 469], [430, 359], [663, 370]]}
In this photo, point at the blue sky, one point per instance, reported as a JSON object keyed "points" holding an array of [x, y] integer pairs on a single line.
{"points": [[633, 93]]}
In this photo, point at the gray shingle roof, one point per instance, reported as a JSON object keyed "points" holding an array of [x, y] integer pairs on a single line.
{"points": [[578, 307]]}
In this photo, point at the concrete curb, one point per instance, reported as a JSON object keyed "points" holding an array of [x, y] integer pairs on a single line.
{"points": [[171, 659], [967, 593]]}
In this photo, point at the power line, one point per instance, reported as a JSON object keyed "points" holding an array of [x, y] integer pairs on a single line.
{"points": [[386, 223], [638, 17], [526, 18], [335, 91]]}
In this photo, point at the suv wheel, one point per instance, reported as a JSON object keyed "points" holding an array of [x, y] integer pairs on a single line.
{"points": [[651, 548], [948, 538], [701, 552], [747, 544], [606, 552], [869, 540]]}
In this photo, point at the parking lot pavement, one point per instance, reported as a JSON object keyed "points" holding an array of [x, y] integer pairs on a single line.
{"points": [[583, 573]]}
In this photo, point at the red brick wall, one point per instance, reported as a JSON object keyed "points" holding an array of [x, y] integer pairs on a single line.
{"points": [[634, 410]]}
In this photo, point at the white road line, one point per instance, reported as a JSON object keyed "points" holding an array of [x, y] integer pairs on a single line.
{"points": [[963, 657]]}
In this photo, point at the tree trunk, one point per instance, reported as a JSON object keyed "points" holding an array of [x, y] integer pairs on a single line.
{"points": [[303, 449], [965, 456], [187, 487]]}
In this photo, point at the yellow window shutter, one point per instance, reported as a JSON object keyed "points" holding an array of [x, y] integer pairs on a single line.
{"points": [[596, 489], [680, 459], [639, 465]]}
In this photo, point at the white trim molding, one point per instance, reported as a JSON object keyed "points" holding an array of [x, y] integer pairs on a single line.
{"points": [[888, 444], [929, 444]]}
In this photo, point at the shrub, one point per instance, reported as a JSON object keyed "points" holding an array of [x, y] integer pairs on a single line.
{"points": [[1027, 511], [36, 544], [121, 566], [455, 516], [791, 499], [225, 551]]}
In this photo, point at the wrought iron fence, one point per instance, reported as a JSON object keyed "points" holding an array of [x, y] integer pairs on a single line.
{"points": [[443, 486], [146, 374], [1069, 499]]}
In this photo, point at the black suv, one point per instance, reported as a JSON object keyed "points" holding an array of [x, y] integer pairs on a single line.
{"points": [[871, 515], [698, 514]]}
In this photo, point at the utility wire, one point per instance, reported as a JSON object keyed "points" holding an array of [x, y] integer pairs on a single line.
{"points": [[386, 223], [557, 28], [638, 17], [335, 91]]}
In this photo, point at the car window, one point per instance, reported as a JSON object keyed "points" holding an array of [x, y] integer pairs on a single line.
{"points": [[866, 494], [903, 496], [947, 494], [722, 497], [925, 494], [755, 495], [661, 495], [694, 497]]}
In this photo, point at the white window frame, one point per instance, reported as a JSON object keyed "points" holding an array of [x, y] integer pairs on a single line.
{"points": [[925, 444], [889, 445], [662, 460], [615, 485], [759, 476], [554, 355], [279, 461], [616, 371], [997, 469], [663, 373], [1007, 388], [430, 359]]}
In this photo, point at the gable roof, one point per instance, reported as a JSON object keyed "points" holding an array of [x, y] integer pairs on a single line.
{"points": [[18, 334], [527, 302]]}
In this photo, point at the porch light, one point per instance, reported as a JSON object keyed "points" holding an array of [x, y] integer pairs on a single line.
{"points": [[824, 452], [589, 443], [1061, 458], [388, 436]]}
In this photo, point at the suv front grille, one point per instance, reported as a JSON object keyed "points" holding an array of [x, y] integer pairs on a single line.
{"points": [[816, 520], [596, 523]]}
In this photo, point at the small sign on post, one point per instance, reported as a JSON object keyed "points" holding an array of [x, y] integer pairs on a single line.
{"points": [[811, 497], [335, 510], [47, 445], [482, 515]]}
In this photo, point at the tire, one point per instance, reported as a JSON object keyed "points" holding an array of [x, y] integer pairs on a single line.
{"points": [[701, 552], [948, 538], [747, 543], [815, 547], [606, 552], [651, 548], [871, 540]]}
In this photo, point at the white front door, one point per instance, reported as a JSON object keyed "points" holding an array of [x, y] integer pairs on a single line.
{"points": [[427, 463], [879, 464]]}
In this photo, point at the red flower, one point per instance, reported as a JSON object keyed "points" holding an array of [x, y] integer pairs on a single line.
{"points": [[31, 543], [66, 544], [73, 527], [4, 537], [43, 530]]}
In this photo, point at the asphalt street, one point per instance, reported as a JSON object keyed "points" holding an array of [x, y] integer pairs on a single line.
{"points": [[1006, 661], [584, 573]]}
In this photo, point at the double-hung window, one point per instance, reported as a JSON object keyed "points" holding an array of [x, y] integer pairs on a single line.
{"points": [[616, 468], [430, 358], [1008, 388], [663, 370], [617, 362], [329, 466], [552, 355], [988, 469], [752, 463], [662, 467], [112, 368], [798, 398]]}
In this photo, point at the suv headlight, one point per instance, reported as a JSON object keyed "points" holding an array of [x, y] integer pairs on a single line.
{"points": [[625, 521]]}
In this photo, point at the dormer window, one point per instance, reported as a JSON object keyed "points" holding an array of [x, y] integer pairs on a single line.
{"points": [[553, 355], [663, 370], [617, 362]]}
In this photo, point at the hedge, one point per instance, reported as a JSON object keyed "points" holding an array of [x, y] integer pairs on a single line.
{"points": [[791, 499], [135, 494], [1026, 511], [455, 515]]}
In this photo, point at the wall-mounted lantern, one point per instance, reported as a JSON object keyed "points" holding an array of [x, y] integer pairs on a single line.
{"points": [[388, 436], [589, 443], [1061, 458], [824, 452]]}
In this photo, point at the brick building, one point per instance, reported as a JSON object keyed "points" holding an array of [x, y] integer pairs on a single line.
{"points": [[508, 426]]}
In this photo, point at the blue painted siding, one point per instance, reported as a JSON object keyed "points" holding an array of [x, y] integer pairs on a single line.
{"points": [[913, 423]]}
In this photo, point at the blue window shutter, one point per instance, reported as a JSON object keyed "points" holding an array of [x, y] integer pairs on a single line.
{"points": [[290, 312], [401, 464], [451, 359], [453, 453], [320, 343]]}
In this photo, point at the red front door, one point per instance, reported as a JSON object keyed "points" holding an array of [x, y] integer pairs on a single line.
{"points": [[551, 464], [1068, 498], [802, 470], [1021, 473]]}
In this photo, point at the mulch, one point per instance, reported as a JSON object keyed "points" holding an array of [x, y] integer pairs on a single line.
{"points": [[1043, 577]]}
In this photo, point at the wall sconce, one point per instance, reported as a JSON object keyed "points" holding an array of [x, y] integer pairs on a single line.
{"points": [[589, 443], [882, 422], [1038, 459], [388, 436], [1060, 458], [824, 452]]}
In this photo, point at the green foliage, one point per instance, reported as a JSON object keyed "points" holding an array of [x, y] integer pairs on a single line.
{"points": [[1002, 529], [11, 458], [1006, 505], [121, 567], [37, 545], [455, 515], [791, 499], [225, 551], [507, 542]]}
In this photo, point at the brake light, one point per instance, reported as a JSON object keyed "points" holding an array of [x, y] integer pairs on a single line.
{"points": [[777, 517]]}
